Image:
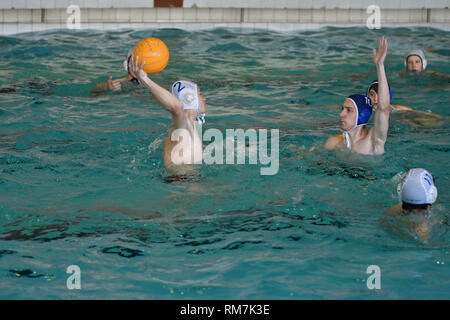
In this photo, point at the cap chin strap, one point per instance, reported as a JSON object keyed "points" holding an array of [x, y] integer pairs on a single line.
{"points": [[201, 118], [346, 139]]}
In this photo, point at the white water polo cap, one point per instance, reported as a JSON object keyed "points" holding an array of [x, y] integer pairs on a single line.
{"points": [[417, 187], [127, 59], [420, 54], [186, 92]]}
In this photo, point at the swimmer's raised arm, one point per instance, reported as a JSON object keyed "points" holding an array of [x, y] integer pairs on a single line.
{"points": [[164, 97], [381, 120]]}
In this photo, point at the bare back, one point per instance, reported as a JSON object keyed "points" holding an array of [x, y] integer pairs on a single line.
{"points": [[183, 146]]}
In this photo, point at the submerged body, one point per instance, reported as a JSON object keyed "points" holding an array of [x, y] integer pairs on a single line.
{"points": [[416, 221], [182, 152], [417, 193]]}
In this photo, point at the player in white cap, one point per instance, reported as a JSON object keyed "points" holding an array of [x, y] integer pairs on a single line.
{"points": [[417, 193], [415, 60], [183, 147]]}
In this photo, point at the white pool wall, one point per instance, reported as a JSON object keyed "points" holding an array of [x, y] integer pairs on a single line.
{"points": [[17, 16]]}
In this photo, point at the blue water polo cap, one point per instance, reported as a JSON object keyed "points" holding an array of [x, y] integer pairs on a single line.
{"points": [[363, 107], [376, 82]]}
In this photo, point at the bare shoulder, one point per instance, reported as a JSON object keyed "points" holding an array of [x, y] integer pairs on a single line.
{"points": [[333, 141]]}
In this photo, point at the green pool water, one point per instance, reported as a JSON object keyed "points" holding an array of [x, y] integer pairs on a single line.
{"points": [[82, 180]]}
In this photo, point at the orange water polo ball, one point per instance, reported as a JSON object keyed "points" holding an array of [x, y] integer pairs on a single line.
{"points": [[153, 52]]}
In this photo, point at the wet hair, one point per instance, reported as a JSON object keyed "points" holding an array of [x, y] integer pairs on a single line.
{"points": [[408, 206]]}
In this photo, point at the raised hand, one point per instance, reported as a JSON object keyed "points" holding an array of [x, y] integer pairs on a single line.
{"points": [[136, 70], [378, 57]]}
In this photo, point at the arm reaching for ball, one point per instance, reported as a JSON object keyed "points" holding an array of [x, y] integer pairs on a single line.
{"points": [[164, 97]]}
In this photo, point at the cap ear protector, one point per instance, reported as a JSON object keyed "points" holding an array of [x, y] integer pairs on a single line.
{"points": [[420, 54], [433, 194]]}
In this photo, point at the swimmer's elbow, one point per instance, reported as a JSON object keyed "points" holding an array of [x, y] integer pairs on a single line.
{"points": [[384, 107]]}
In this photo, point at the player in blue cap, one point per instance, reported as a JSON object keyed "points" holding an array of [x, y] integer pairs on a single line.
{"points": [[356, 111], [372, 93]]}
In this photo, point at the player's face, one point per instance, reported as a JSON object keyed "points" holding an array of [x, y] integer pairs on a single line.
{"points": [[347, 117], [414, 64], [373, 96]]}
